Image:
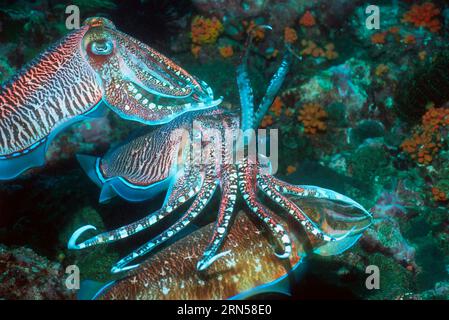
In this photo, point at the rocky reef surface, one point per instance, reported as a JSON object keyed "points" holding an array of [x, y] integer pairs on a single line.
{"points": [[366, 111]]}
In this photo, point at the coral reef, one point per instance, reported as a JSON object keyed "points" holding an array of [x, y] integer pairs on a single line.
{"points": [[362, 111], [205, 30], [24, 275], [430, 137], [425, 15], [313, 117]]}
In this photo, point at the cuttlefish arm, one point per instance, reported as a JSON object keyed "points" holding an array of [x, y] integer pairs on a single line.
{"points": [[72, 80], [247, 268]]}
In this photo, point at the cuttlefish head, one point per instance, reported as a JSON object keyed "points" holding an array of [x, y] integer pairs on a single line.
{"points": [[140, 83]]}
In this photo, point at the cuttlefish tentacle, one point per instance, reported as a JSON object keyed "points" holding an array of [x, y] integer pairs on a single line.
{"points": [[247, 180], [311, 192], [185, 187], [229, 191], [292, 209], [202, 199], [333, 216]]}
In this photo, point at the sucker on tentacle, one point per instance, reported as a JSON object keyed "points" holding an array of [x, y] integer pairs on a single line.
{"points": [[130, 161], [267, 187], [247, 176], [185, 186], [204, 195], [229, 191]]}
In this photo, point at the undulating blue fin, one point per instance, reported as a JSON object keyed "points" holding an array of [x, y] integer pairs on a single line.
{"points": [[31, 158], [130, 192], [332, 248], [280, 285], [90, 290], [34, 156], [99, 111], [107, 193], [90, 166]]}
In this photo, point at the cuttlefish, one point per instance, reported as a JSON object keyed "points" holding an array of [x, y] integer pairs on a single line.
{"points": [[249, 270]]}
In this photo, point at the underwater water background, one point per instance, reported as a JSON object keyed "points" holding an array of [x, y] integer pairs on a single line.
{"points": [[362, 111]]}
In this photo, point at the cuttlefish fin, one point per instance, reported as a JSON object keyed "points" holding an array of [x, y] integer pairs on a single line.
{"points": [[30, 158], [90, 290], [100, 111], [332, 248], [90, 166], [107, 193], [281, 285]]}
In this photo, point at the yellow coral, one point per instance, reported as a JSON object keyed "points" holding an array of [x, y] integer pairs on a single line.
{"points": [[205, 30], [313, 117]]}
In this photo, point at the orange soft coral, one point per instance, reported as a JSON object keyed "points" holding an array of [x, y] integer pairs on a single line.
{"points": [[277, 106], [425, 15], [290, 35], [426, 142], [291, 169], [313, 117], [439, 195], [409, 39], [226, 52], [266, 121], [255, 31], [307, 20], [421, 147], [312, 49], [379, 38], [196, 50], [436, 118], [205, 30]]}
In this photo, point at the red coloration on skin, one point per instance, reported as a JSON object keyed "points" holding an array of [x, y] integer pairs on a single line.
{"points": [[171, 273]]}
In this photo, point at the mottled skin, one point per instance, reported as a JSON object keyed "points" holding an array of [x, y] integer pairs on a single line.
{"points": [[94, 66], [196, 179], [171, 273]]}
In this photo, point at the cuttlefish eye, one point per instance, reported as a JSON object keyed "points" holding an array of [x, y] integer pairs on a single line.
{"points": [[102, 48]]}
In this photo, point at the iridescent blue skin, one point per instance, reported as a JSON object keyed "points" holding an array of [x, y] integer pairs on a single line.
{"points": [[160, 151]]}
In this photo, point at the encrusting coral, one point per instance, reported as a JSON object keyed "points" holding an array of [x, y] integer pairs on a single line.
{"points": [[426, 142], [226, 51], [312, 49], [313, 116], [205, 30], [290, 35], [307, 20], [425, 15]]}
